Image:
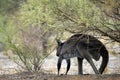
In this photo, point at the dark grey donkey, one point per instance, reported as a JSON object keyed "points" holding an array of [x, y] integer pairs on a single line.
{"points": [[82, 46]]}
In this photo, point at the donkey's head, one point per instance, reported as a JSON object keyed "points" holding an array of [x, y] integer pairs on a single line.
{"points": [[59, 47]]}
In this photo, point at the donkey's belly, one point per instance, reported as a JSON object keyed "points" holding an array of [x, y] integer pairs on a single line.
{"points": [[68, 56]]}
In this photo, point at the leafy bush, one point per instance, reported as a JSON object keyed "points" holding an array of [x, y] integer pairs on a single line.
{"points": [[28, 58], [7, 30], [30, 49]]}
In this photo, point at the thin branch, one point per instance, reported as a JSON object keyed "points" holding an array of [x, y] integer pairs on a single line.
{"points": [[67, 16], [115, 16], [107, 34]]}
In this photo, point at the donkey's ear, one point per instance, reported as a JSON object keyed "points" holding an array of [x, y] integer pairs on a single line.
{"points": [[58, 41]]}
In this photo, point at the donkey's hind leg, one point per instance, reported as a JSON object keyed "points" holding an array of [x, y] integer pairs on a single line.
{"points": [[68, 65]]}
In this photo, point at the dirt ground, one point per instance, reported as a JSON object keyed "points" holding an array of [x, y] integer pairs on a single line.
{"points": [[42, 76]]}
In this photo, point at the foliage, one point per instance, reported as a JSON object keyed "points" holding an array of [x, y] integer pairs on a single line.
{"points": [[9, 6], [78, 16], [111, 22], [7, 30], [84, 17]]}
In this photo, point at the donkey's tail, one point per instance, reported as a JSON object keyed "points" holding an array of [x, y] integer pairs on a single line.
{"points": [[105, 59]]}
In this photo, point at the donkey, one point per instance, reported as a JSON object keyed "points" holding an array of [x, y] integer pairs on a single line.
{"points": [[82, 46]]}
